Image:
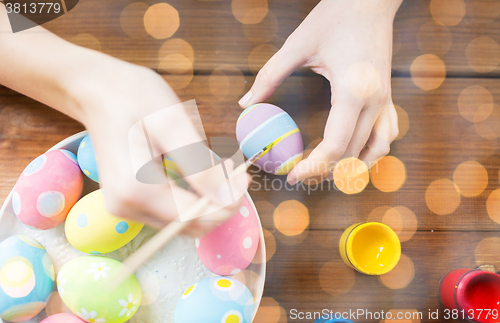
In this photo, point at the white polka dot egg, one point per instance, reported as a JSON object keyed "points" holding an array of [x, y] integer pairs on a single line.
{"points": [[90, 228], [47, 189], [231, 246], [26, 278], [215, 300]]}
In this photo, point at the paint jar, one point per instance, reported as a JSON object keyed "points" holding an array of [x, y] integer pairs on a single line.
{"points": [[472, 294], [371, 248]]}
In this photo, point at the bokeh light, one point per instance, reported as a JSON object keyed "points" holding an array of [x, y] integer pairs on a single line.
{"points": [[327, 238], [259, 56], [249, 11], [447, 12], [471, 178], [264, 31], [407, 316], [249, 278], [351, 175], [336, 278], [483, 54], [493, 206], [226, 83], [474, 145], [433, 38], [442, 196], [487, 252], [86, 40], [161, 20], [179, 69], [55, 305], [362, 79], [270, 243], [403, 122], [489, 129], [475, 103], [400, 219], [483, 11], [132, 20], [401, 276], [176, 46], [428, 72], [270, 311], [291, 217], [388, 174]]}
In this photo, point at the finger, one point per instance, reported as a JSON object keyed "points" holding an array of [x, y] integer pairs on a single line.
{"points": [[338, 133], [384, 132], [280, 66]]}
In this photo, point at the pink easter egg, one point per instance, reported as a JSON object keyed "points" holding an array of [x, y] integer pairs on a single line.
{"points": [[63, 318], [47, 189], [231, 246]]}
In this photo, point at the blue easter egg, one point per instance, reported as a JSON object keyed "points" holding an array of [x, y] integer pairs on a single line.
{"points": [[26, 278], [87, 160], [215, 300]]}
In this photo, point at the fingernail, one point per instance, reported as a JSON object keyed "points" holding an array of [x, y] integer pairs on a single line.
{"points": [[293, 181], [246, 98]]}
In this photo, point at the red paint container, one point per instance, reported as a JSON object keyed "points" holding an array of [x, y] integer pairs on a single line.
{"points": [[474, 293]]}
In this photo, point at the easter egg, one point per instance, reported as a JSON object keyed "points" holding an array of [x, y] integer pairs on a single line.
{"points": [[90, 228], [88, 288], [262, 124], [231, 246], [87, 160], [215, 300], [26, 278], [63, 318], [47, 189]]}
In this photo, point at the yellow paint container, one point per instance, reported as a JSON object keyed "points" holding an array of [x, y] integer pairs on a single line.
{"points": [[371, 248]]}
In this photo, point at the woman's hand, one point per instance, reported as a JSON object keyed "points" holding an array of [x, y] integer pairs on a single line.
{"points": [[350, 44]]}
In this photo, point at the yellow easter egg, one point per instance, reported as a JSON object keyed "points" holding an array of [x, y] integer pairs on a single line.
{"points": [[90, 228]]}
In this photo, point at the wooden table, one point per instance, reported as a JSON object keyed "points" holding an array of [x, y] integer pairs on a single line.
{"points": [[305, 272]]}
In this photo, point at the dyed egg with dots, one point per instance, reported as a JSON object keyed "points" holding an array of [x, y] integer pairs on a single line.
{"points": [[90, 228], [87, 159], [47, 189], [26, 278], [231, 246], [63, 318], [88, 288], [215, 300], [262, 124]]}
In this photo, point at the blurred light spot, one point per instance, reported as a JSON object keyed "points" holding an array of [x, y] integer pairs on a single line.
{"points": [[161, 20], [226, 83], [336, 278], [400, 219], [249, 11], [179, 68], [447, 12], [489, 128], [377, 214], [291, 217], [269, 311], [483, 54], [132, 20], [176, 46], [475, 103], [476, 146], [407, 316], [314, 143], [403, 122], [263, 31], [326, 238], [493, 206], [396, 41], [433, 38], [362, 80], [259, 56], [270, 243], [428, 72], [442, 196], [86, 40], [55, 305], [471, 178], [316, 124], [401, 276], [388, 174], [487, 252], [351, 175], [393, 219], [248, 277], [483, 11]]}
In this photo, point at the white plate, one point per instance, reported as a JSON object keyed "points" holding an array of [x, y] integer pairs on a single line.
{"points": [[163, 278]]}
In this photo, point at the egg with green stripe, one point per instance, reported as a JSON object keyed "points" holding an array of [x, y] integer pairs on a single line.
{"points": [[262, 124]]}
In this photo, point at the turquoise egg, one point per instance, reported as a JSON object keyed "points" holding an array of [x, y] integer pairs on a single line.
{"points": [[87, 160], [26, 278], [215, 300]]}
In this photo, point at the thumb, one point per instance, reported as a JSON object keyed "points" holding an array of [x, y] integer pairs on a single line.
{"points": [[277, 68]]}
